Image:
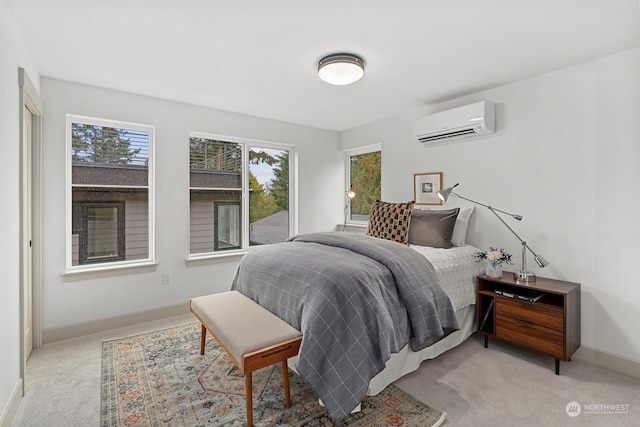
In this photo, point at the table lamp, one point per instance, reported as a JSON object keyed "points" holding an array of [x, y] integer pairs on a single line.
{"points": [[350, 196], [523, 275]]}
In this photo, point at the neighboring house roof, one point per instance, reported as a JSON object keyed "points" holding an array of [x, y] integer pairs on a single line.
{"points": [[88, 173], [271, 229]]}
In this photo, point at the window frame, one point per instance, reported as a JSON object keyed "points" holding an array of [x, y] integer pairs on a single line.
{"points": [[216, 227], [247, 144], [150, 188], [83, 244], [347, 161]]}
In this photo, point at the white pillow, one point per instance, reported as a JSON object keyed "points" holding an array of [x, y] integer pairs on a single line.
{"points": [[459, 236]]}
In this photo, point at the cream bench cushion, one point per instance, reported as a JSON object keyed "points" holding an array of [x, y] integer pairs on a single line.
{"points": [[241, 325], [251, 335]]}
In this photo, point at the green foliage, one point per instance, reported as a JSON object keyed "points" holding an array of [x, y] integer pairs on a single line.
{"points": [[261, 204], [280, 184], [256, 157], [274, 196], [365, 180], [101, 144], [225, 156]]}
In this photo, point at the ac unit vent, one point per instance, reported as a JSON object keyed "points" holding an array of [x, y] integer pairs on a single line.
{"points": [[461, 122], [446, 135]]}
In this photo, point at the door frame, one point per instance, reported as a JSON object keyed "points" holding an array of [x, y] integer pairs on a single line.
{"points": [[29, 97]]}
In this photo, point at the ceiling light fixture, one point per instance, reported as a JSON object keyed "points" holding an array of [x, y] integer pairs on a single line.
{"points": [[341, 68]]}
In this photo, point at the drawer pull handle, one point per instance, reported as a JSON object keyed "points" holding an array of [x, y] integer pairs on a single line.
{"points": [[526, 323]]}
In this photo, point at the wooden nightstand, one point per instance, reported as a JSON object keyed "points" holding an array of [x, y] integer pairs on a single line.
{"points": [[550, 325]]}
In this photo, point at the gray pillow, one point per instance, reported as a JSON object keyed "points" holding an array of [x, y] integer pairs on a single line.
{"points": [[432, 228]]}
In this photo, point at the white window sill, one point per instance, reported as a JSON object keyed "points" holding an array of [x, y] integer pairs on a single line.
{"points": [[196, 259], [117, 268], [353, 227]]}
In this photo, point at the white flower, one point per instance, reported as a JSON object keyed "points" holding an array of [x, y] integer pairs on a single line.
{"points": [[494, 256]]}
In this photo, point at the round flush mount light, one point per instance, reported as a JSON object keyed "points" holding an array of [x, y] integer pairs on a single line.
{"points": [[341, 68]]}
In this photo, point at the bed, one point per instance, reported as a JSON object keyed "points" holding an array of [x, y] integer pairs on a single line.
{"points": [[457, 270], [370, 307]]}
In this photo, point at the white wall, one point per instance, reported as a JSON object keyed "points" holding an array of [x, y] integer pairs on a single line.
{"points": [[13, 55], [72, 300], [566, 156]]}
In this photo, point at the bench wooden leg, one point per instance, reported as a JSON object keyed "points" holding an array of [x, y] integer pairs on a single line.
{"points": [[248, 395], [285, 382], [203, 339]]}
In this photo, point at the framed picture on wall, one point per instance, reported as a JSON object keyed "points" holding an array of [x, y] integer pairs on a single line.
{"points": [[425, 187]]}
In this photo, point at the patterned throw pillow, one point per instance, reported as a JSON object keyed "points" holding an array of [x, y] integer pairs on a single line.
{"points": [[390, 221]]}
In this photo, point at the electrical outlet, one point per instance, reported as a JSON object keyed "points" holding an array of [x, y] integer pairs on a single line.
{"points": [[166, 278]]}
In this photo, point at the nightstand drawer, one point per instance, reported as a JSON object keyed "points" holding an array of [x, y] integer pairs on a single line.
{"points": [[532, 313], [530, 335]]}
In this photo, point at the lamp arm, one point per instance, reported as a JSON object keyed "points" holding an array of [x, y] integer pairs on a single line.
{"points": [[523, 275], [346, 211], [516, 216], [493, 210], [524, 244]]}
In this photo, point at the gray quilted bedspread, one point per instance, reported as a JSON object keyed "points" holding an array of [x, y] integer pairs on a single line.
{"points": [[356, 299]]}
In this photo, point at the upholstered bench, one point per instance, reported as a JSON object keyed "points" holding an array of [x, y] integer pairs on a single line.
{"points": [[251, 335]]}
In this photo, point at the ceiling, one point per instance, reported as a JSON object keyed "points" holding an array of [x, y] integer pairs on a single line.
{"points": [[260, 57]]}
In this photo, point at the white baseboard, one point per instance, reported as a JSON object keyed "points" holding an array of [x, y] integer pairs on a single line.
{"points": [[101, 325], [9, 411], [608, 360]]}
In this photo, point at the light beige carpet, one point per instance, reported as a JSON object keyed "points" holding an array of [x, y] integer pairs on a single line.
{"points": [[504, 385], [499, 386]]}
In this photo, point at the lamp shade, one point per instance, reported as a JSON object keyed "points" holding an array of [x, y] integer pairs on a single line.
{"points": [[341, 69], [444, 194]]}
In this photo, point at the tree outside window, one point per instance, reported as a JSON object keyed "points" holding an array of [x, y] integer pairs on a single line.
{"points": [[216, 177], [364, 178]]}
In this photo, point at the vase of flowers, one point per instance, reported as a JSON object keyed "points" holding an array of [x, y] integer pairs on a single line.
{"points": [[494, 259]]}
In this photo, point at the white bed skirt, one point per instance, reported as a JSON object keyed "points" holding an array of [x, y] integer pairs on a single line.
{"points": [[406, 361]]}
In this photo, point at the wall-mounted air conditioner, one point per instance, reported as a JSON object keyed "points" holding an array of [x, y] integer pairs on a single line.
{"points": [[473, 119]]}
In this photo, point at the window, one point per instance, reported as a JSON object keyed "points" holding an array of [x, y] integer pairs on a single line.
{"points": [[110, 192], [227, 226], [224, 173], [102, 235], [268, 195], [215, 176], [363, 176]]}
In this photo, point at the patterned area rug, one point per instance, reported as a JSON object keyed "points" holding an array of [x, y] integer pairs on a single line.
{"points": [[160, 379]]}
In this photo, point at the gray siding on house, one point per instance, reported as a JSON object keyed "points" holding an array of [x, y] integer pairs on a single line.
{"points": [[136, 232], [136, 229], [201, 226], [75, 248]]}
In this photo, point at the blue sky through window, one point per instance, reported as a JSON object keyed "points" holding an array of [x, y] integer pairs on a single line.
{"points": [[263, 171]]}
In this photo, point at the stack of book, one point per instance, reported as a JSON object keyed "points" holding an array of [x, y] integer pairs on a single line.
{"points": [[528, 295]]}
